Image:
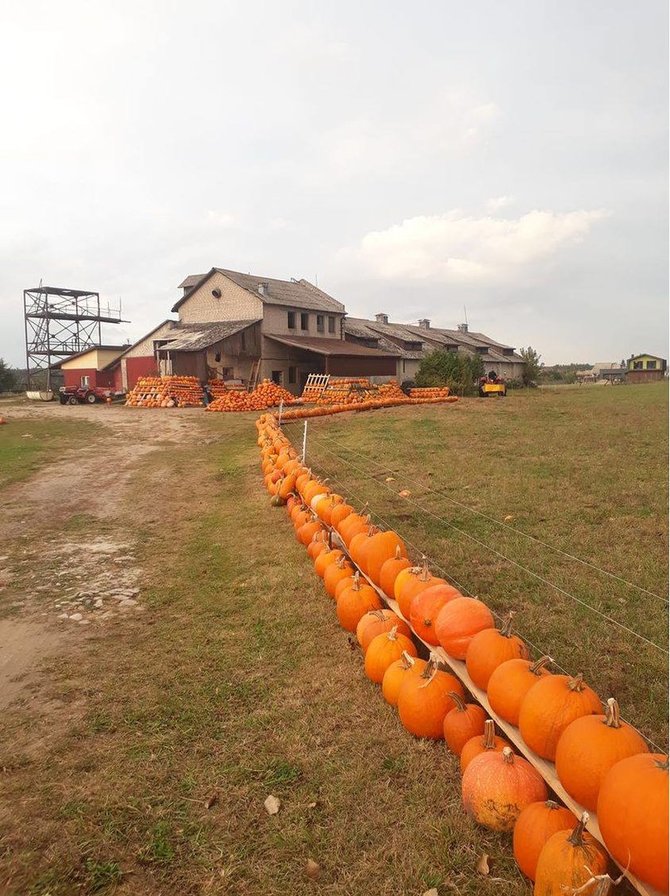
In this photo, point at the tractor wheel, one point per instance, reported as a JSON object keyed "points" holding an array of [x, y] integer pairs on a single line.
{"points": [[72, 400], [90, 398]]}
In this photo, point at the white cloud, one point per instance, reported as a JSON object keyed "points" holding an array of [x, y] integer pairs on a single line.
{"points": [[454, 247], [497, 203]]}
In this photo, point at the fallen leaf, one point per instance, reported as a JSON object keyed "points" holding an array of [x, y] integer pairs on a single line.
{"points": [[389, 479], [311, 805], [431, 892], [404, 493], [483, 864], [211, 799], [508, 518], [312, 869], [272, 805]]}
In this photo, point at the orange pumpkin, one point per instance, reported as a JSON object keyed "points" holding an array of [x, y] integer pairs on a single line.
{"points": [[385, 649], [536, 824], [389, 572], [409, 583], [425, 607], [463, 722], [376, 622], [355, 601], [339, 513], [589, 747], [308, 530], [568, 860], [425, 699], [633, 816], [382, 547], [497, 787], [395, 675], [459, 621], [318, 544], [489, 649], [324, 560], [510, 683], [489, 741], [335, 573], [549, 707], [358, 547]]}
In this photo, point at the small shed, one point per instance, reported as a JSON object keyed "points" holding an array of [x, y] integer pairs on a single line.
{"points": [[645, 368], [92, 367]]}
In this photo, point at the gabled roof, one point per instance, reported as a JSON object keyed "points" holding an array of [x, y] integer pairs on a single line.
{"points": [[290, 293], [92, 348], [169, 320], [195, 337], [190, 281], [383, 334], [646, 355], [330, 346]]}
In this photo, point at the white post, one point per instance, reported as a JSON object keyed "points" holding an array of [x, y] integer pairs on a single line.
{"points": [[304, 443], [281, 408]]}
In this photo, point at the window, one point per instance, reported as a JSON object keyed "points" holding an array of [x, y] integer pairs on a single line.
{"points": [[651, 365], [243, 336], [404, 366], [331, 324], [638, 365], [277, 376], [292, 374], [304, 321], [319, 323], [217, 357], [84, 382], [291, 320]]}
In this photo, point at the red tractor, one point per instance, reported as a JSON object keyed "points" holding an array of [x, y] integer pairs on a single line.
{"points": [[85, 394]]}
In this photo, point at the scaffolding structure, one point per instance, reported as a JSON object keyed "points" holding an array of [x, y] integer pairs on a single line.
{"points": [[60, 323]]}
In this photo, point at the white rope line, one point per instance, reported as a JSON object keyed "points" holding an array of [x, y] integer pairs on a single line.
{"points": [[346, 491], [502, 556], [428, 488]]}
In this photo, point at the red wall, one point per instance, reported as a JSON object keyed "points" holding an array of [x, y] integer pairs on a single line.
{"points": [[72, 378], [137, 367]]}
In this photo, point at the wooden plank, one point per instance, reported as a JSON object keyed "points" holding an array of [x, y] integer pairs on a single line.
{"points": [[545, 768]]}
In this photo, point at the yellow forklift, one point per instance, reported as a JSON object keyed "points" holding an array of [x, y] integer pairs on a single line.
{"points": [[492, 384]]}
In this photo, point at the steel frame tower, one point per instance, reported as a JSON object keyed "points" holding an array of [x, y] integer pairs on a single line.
{"points": [[60, 323]]}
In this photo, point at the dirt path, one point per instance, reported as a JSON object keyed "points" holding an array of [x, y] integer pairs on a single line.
{"points": [[67, 560]]}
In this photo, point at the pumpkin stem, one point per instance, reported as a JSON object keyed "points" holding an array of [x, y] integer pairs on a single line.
{"points": [[458, 700], [398, 555], [612, 714], [577, 836], [392, 635], [506, 627], [552, 804], [407, 659], [356, 584], [663, 765], [424, 575], [508, 755], [577, 683], [538, 665], [430, 671], [489, 738]]}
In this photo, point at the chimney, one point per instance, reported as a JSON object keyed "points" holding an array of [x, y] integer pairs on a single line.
{"points": [[424, 323], [462, 328], [263, 288], [382, 318]]}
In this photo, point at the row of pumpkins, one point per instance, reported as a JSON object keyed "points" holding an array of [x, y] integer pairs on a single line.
{"points": [[368, 404], [266, 395], [601, 761]]}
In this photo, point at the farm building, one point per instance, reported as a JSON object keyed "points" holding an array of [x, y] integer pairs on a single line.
{"points": [[645, 368], [608, 371], [244, 327], [96, 366]]}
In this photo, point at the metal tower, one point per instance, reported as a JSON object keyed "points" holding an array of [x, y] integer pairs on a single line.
{"points": [[59, 323]]}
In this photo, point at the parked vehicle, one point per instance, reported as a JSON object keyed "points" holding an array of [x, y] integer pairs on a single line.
{"points": [[86, 394]]}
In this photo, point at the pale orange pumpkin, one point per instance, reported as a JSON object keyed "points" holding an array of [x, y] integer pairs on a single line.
{"points": [[537, 823], [496, 788]]}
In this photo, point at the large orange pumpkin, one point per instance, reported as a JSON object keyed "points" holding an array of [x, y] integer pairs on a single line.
{"points": [[549, 707], [536, 824], [335, 573], [425, 607], [463, 722], [389, 572], [376, 622], [633, 816], [308, 530], [497, 787], [459, 621], [489, 741], [358, 547], [589, 747], [385, 649], [382, 547], [324, 559], [409, 583], [355, 601], [425, 699], [395, 675], [339, 513], [567, 861], [489, 649], [510, 683]]}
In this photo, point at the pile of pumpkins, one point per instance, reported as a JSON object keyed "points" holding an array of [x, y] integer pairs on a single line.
{"points": [[165, 392], [602, 762], [266, 395]]}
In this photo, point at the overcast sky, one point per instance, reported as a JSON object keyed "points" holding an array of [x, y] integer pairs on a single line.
{"points": [[415, 157]]}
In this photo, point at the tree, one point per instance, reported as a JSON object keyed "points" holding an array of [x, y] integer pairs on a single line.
{"points": [[531, 365], [458, 370], [7, 378]]}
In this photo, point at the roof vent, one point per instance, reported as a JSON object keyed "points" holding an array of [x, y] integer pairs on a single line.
{"points": [[382, 318], [424, 323], [216, 293], [462, 328], [263, 288]]}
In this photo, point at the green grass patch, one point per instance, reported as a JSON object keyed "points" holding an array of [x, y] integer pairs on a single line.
{"points": [[26, 445]]}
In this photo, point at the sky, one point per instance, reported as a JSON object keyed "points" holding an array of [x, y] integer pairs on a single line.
{"points": [[507, 162]]}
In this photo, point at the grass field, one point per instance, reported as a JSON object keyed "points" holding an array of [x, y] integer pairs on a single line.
{"points": [[33, 443], [238, 681]]}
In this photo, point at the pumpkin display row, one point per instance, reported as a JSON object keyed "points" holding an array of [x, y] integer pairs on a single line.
{"points": [[367, 405], [602, 762], [165, 392]]}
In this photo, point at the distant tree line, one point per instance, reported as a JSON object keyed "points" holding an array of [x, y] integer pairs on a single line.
{"points": [[562, 373], [9, 378]]}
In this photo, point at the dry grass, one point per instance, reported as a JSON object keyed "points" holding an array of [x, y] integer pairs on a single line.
{"points": [[240, 682]]}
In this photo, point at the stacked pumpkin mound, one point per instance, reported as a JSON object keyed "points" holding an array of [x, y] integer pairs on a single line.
{"points": [[234, 400], [602, 762], [165, 392], [273, 394]]}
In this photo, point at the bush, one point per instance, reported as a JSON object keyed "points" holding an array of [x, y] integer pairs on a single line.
{"points": [[458, 370]]}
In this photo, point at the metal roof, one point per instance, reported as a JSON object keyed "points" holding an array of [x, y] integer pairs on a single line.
{"points": [[195, 337], [330, 346]]}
